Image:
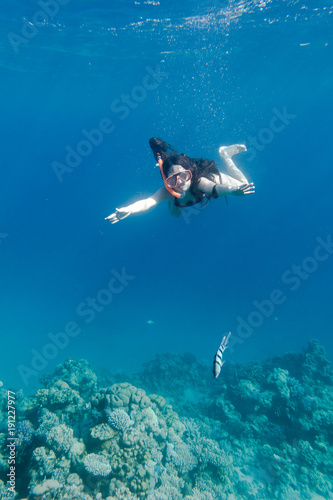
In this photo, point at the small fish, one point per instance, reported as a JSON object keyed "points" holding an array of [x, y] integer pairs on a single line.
{"points": [[218, 363], [150, 322]]}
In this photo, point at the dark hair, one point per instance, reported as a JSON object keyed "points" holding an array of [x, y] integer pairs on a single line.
{"points": [[200, 167], [161, 148]]}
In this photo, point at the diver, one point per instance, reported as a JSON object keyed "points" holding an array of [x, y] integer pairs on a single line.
{"points": [[188, 181]]}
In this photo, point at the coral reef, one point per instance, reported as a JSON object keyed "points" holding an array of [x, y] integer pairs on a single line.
{"points": [[263, 430]]}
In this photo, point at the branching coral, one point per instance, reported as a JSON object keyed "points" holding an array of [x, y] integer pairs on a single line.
{"points": [[97, 465], [181, 457], [25, 433], [60, 438], [118, 419]]}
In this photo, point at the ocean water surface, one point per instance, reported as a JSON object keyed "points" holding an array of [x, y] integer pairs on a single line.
{"points": [[84, 86]]}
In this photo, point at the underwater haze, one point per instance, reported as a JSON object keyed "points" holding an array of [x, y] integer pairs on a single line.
{"points": [[85, 84]]}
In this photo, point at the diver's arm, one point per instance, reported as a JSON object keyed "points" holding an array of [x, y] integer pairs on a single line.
{"points": [[139, 206], [216, 190]]}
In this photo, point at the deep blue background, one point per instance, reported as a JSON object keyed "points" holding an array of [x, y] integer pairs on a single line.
{"points": [[229, 66]]}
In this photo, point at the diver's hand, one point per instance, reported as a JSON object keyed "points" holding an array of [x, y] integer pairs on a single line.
{"points": [[119, 214], [244, 189]]}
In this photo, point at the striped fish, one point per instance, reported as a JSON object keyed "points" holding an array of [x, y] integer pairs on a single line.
{"points": [[218, 362]]}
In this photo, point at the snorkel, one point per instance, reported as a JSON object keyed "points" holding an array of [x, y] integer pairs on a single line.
{"points": [[171, 191]]}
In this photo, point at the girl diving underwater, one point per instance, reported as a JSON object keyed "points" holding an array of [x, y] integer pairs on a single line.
{"points": [[188, 181]]}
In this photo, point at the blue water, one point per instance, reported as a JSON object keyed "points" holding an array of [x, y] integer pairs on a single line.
{"points": [[226, 72]]}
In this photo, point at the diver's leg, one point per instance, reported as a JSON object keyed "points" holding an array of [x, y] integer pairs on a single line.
{"points": [[226, 153], [227, 180]]}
